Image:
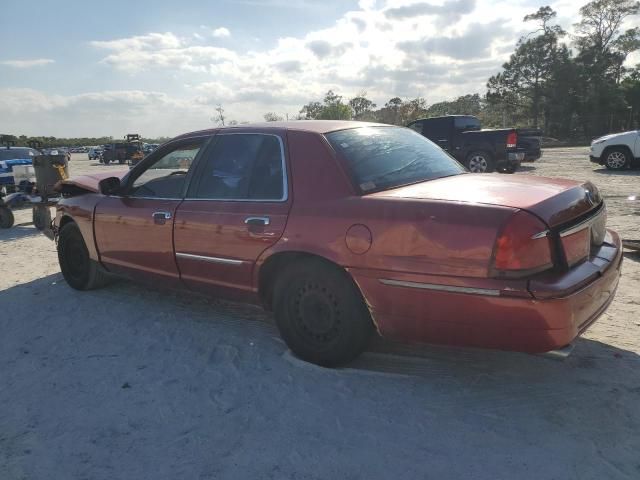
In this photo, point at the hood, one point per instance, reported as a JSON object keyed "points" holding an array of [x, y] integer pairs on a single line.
{"points": [[87, 183], [556, 201], [615, 135]]}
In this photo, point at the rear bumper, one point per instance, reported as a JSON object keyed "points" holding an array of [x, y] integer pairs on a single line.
{"points": [[489, 315]]}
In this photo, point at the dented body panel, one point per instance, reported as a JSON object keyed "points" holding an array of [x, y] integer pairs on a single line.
{"points": [[420, 254]]}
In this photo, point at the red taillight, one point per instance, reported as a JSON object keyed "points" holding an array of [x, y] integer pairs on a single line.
{"points": [[522, 247], [512, 139], [576, 246]]}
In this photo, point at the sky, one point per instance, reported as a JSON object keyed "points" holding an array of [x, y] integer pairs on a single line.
{"points": [[72, 68]]}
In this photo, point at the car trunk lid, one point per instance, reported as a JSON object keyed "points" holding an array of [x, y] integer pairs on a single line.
{"points": [[557, 202]]}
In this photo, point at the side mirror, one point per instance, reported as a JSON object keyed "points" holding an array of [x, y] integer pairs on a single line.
{"points": [[109, 186]]}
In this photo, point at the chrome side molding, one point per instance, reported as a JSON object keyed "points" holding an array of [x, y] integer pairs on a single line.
{"points": [[202, 258], [441, 288]]}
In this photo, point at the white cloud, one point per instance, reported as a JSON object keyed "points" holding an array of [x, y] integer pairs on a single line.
{"points": [[151, 41], [32, 112], [36, 62], [398, 48], [221, 32], [395, 48]]}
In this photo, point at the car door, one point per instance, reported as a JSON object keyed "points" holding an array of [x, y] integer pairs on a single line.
{"points": [[134, 230], [236, 207]]}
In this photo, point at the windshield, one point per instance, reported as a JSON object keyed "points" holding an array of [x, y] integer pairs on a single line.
{"points": [[380, 158]]}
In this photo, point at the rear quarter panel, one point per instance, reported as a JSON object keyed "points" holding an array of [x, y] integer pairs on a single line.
{"points": [[408, 235]]}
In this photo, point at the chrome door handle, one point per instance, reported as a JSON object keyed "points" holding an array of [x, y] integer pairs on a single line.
{"points": [[257, 221], [160, 218]]}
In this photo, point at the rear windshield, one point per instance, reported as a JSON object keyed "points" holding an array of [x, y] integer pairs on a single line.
{"points": [[380, 158]]}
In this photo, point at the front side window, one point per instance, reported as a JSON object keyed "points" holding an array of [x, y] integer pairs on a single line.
{"points": [[242, 166], [381, 158], [165, 178]]}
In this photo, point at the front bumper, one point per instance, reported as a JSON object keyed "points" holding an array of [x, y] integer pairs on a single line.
{"points": [[593, 159], [488, 313]]}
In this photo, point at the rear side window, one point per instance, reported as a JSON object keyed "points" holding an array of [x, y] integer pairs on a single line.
{"points": [[380, 158], [467, 123], [242, 166]]}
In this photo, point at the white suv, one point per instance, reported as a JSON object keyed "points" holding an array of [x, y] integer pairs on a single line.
{"points": [[617, 151]]}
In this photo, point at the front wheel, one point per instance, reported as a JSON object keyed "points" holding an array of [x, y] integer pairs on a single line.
{"points": [[480, 162], [6, 217], [320, 314], [78, 269], [616, 159]]}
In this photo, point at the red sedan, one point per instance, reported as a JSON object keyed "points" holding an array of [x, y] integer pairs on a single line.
{"points": [[347, 228]]}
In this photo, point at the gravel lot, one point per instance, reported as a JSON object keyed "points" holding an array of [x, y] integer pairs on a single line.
{"points": [[132, 383]]}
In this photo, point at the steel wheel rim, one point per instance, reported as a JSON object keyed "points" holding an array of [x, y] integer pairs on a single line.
{"points": [[323, 328], [478, 164], [616, 160]]}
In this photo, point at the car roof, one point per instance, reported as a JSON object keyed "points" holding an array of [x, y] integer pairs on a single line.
{"points": [[316, 126]]}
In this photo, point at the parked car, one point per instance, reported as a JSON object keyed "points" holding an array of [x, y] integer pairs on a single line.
{"points": [[10, 157], [617, 151], [150, 147], [94, 153], [347, 228], [481, 151]]}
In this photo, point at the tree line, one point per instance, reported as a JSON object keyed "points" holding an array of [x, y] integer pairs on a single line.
{"points": [[571, 87], [47, 142]]}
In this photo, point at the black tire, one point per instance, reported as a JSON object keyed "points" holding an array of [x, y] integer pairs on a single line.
{"points": [[616, 159], [320, 313], [77, 267], [6, 217], [480, 162]]}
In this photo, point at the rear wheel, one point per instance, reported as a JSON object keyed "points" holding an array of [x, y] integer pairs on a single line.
{"points": [[480, 162], [79, 271], [320, 313], [616, 159], [6, 217]]}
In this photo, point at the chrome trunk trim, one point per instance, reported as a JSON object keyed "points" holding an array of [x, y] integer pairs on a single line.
{"points": [[441, 288]]}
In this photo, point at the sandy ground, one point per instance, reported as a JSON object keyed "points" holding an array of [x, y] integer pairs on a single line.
{"points": [[132, 383]]}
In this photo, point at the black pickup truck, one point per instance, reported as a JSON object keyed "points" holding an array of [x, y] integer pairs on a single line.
{"points": [[481, 151]]}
